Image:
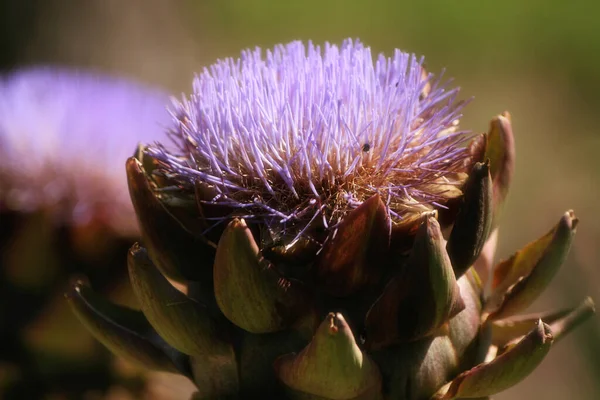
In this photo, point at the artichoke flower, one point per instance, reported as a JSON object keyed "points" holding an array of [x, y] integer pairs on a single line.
{"points": [[320, 228], [64, 207]]}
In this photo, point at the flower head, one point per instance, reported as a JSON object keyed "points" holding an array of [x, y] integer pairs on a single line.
{"points": [[303, 132], [305, 139], [63, 135]]}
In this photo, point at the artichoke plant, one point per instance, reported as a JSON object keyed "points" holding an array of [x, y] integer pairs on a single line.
{"points": [[64, 208], [318, 227]]}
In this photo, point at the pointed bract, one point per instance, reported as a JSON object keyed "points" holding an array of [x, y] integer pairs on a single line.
{"points": [[174, 251], [352, 258], [421, 299], [519, 280], [184, 323], [562, 326], [505, 370], [561, 322], [500, 150], [507, 330], [473, 222], [248, 290], [124, 331], [332, 366]]}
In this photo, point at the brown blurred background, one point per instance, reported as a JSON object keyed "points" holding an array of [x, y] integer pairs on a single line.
{"points": [[538, 59]]}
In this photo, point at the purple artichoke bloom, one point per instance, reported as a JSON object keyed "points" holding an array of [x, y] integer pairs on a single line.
{"points": [[64, 207], [63, 136], [333, 232], [300, 134]]}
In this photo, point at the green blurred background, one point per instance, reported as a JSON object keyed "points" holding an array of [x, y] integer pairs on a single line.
{"points": [[537, 59]]}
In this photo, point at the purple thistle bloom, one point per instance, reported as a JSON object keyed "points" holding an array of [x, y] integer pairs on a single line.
{"points": [[341, 163], [64, 136], [305, 132]]}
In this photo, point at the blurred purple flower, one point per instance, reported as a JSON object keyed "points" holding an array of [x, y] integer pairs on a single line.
{"points": [[64, 136]]}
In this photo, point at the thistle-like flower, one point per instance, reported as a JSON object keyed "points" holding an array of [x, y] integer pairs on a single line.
{"points": [[335, 231], [303, 136], [60, 134], [64, 207]]}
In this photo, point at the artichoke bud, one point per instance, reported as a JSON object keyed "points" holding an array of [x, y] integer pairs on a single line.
{"points": [[423, 298], [353, 172], [248, 290], [500, 150], [183, 322], [177, 253], [505, 370], [519, 280], [124, 331], [474, 220], [354, 255], [331, 366]]}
